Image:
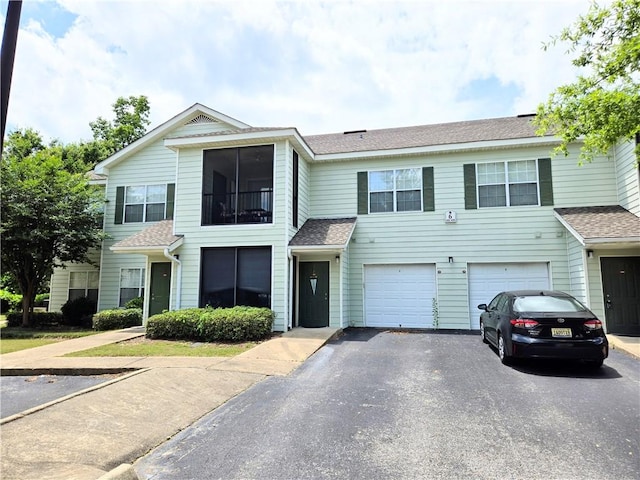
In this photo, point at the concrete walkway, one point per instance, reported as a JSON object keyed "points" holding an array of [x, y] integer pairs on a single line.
{"points": [[97, 433]]}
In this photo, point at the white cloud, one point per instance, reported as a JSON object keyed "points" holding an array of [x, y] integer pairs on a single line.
{"points": [[321, 67]]}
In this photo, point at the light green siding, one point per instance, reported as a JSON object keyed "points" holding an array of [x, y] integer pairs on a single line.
{"points": [[187, 223], [59, 283], [628, 177], [503, 234]]}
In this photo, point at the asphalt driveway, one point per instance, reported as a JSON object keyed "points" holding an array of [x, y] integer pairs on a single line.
{"points": [[376, 404]]}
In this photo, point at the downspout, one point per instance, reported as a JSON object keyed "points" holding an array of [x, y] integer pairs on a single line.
{"points": [[289, 289], [178, 276]]}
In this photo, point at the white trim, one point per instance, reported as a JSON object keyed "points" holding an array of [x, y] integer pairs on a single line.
{"points": [[207, 142], [571, 230]]}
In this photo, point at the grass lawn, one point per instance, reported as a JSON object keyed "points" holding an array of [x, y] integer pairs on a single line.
{"points": [[13, 339], [143, 347]]}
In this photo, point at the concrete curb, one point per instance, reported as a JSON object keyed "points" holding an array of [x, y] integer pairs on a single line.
{"points": [[121, 472]]}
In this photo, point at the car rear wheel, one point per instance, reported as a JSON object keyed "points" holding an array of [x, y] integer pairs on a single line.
{"points": [[502, 351], [482, 333]]}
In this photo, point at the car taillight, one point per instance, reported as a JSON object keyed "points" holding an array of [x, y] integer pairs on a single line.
{"points": [[593, 324], [523, 323]]}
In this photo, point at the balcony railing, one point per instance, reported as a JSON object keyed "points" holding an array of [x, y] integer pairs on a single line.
{"points": [[232, 208]]}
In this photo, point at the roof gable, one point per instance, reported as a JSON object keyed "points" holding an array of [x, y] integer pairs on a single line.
{"points": [[197, 114]]}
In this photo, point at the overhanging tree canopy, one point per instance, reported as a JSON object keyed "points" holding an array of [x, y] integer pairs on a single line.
{"points": [[603, 105], [50, 216]]}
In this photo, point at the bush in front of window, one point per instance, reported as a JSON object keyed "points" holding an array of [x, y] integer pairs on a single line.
{"points": [[78, 311], [117, 319], [37, 319], [237, 324], [134, 303]]}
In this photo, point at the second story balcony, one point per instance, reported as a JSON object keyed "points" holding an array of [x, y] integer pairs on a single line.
{"points": [[244, 207]]}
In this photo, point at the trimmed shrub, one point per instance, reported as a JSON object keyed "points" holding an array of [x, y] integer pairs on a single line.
{"points": [[9, 301], [78, 311], [175, 325], [134, 303], [117, 319], [237, 324], [38, 319]]}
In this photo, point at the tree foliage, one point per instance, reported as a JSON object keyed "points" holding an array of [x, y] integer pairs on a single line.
{"points": [[51, 215], [603, 105], [130, 123]]}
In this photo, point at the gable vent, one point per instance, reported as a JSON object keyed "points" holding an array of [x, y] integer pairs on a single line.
{"points": [[201, 119]]}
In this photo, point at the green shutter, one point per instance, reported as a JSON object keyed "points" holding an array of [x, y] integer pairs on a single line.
{"points": [[119, 205], [470, 199], [171, 196], [363, 193], [546, 183], [428, 197]]}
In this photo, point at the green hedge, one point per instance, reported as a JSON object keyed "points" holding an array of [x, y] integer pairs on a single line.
{"points": [[237, 324], [9, 301], [38, 319], [117, 319]]}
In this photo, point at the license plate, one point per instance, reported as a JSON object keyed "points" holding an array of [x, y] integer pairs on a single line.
{"points": [[561, 332]]}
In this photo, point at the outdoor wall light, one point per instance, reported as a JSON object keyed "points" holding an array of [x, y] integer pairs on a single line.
{"points": [[590, 253], [450, 259], [337, 258]]}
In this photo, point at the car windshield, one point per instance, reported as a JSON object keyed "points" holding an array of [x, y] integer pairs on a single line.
{"points": [[543, 303]]}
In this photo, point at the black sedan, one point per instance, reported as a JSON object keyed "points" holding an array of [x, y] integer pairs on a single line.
{"points": [[542, 324]]}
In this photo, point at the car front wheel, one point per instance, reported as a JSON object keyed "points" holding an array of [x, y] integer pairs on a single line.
{"points": [[502, 351]]}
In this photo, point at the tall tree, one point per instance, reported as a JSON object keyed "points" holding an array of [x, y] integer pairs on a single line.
{"points": [[50, 215], [130, 123], [603, 104]]}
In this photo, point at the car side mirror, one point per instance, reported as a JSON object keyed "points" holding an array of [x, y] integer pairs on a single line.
{"points": [[483, 306]]}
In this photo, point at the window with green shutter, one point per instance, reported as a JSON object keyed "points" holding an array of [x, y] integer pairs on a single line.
{"points": [[508, 184], [144, 203], [399, 190]]}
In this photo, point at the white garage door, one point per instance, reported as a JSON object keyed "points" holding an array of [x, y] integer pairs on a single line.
{"points": [[486, 280], [399, 296]]}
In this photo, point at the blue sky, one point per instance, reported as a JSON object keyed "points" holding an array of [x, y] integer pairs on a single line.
{"points": [[319, 66]]}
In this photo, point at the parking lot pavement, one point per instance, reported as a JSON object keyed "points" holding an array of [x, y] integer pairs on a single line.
{"points": [[19, 393], [399, 405]]}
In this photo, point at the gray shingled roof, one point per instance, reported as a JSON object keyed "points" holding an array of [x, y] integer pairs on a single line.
{"points": [[506, 128], [608, 222], [158, 235], [324, 232]]}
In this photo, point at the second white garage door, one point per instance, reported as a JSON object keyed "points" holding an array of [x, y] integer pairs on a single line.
{"points": [[486, 280], [399, 296]]}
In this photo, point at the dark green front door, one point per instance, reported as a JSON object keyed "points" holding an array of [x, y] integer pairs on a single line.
{"points": [[314, 294], [621, 288], [160, 287]]}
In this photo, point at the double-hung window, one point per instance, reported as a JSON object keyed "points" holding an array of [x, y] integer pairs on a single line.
{"points": [[131, 284], [84, 284], [507, 184], [395, 190], [144, 203]]}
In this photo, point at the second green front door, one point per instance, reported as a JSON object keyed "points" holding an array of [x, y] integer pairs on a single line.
{"points": [[314, 294]]}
